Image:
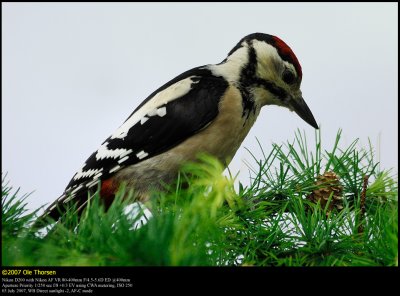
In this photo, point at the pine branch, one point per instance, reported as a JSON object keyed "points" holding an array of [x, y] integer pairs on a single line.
{"points": [[362, 204], [268, 223]]}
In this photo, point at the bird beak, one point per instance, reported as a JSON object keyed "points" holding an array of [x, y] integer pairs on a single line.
{"points": [[300, 107]]}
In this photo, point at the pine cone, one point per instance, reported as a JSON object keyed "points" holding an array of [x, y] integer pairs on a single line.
{"points": [[326, 184]]}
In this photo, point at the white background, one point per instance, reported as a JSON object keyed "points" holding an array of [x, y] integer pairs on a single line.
{"points": [[73, 72]]}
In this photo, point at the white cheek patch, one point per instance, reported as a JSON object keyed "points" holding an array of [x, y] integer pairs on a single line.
{"points": [[290, 66], [169, 94], [267, 55], [141, 154], [264, 50]]}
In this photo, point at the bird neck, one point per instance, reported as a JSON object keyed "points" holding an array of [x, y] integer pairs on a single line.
{"points": [[231, 69]]}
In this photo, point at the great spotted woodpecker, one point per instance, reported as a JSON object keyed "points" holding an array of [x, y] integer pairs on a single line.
{"points": [[207, 109]]}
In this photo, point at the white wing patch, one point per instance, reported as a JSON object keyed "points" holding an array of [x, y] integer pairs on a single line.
{"points": [[162, 111], [97, 176], [154, 107], [69, 198], [152, 112], [142, 154], [92, 183], [143, 120], [169, 94], [85, 174], [123, 159], [76, 190], [114, 169], [53, 207], [126, 153], [104, 152]]}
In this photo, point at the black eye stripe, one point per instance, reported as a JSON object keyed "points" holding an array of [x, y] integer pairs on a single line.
{"points": [[271, 87]]}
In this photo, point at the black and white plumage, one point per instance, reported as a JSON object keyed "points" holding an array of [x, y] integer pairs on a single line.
{"points": [[206, 109]]}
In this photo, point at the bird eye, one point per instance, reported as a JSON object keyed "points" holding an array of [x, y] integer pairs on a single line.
{"points": [[288, 77]]}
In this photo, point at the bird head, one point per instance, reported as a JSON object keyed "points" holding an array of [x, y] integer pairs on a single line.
{"points": [[270, 72]]}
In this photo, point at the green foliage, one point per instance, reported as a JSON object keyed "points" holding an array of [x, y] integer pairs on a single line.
{"points": [[14, 217], [202, 220]]}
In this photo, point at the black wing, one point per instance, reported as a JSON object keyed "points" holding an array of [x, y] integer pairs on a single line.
{"points": [[165, 127]]}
